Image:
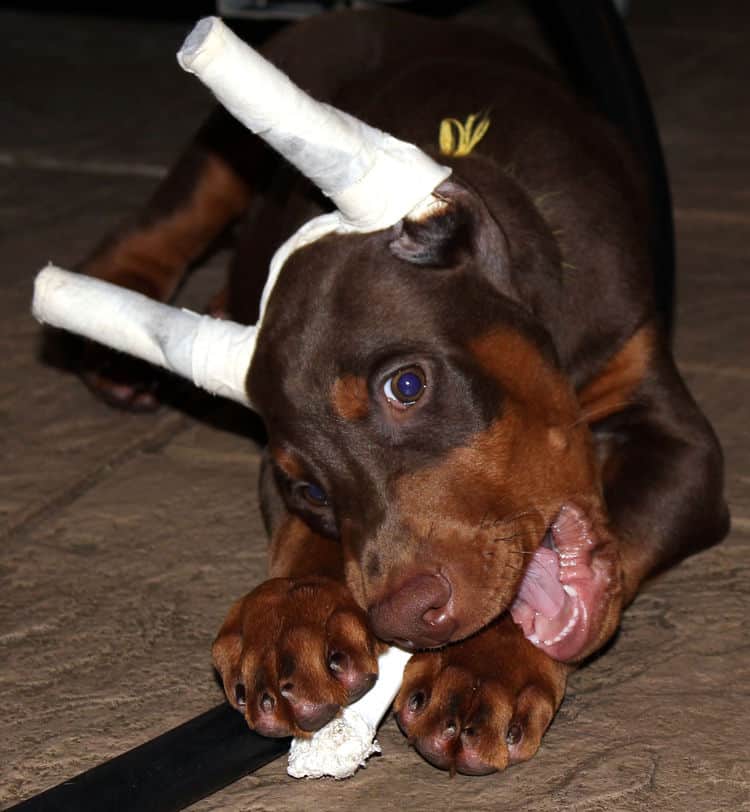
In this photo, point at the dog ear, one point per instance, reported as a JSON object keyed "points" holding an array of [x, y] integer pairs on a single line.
{"points": [[440, 238]]}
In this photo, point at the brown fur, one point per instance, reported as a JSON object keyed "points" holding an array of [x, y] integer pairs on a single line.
{"points": [[614, 387], [290, 466], [290, 688], [350, 398], [527, 304], [448, 698], [151, 257]]}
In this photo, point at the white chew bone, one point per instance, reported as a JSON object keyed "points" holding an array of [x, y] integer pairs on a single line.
{"points": [[213, 353], [341, 747]]}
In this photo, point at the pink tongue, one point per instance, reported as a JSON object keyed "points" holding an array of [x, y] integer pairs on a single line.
{"points": [[541, 588]]}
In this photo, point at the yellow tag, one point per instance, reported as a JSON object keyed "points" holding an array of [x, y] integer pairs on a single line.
{"points": [[457, 139]]}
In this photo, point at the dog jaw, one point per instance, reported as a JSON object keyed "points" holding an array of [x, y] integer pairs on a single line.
{"points": [[562, 586], [568, 588]]}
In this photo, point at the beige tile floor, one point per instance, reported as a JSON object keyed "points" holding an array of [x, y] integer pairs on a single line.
{"points": [[124, 537]]}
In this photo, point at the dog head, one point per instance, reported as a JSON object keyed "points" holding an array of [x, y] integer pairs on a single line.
{"points": [[416, 409], [417, 414]]}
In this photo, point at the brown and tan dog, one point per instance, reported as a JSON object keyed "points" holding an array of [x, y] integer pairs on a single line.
{"points": [[479, 444]]}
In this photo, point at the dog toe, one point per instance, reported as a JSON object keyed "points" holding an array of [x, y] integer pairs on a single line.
{"points": [[454, 723], [292, 675], [479, 706]]}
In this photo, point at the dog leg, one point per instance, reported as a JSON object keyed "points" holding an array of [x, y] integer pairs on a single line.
{"points": [[208, 188], [298, 647], [483, 704]]}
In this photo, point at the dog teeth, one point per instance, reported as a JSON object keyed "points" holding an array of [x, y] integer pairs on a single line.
{"points": [[570, 625]]}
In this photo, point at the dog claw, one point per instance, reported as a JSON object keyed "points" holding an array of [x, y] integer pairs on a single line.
{"points": [[514, 734], [239, 695]]}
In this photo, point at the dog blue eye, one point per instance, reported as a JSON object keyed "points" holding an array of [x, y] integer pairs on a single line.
{"points": [[405, 387], [314, 494], [409, 385]]}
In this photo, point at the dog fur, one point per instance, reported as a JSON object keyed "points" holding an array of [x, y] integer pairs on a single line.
{"points": [[552, 402]]}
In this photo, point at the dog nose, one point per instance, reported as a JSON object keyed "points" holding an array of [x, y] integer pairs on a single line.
{"points": [[416, 615]]}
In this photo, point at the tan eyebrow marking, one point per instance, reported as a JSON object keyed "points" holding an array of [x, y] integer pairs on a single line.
{"points": [[287, 463], [350, 398]]}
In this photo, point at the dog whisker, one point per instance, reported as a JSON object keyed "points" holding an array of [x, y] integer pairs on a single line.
{"points": [[511, 537], [511, 517]]}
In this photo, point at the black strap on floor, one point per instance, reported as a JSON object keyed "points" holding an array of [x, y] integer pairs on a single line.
{"points": [[167, 773]]}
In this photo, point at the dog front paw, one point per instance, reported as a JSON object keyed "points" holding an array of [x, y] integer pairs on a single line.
{"points": [[480, 705], [293, 652]]}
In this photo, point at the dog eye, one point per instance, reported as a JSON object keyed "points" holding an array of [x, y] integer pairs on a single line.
{"points": [[405, 388], [313, 494]]}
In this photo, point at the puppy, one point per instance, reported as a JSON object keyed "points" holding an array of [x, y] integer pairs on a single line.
{"points": [[479, 443]]}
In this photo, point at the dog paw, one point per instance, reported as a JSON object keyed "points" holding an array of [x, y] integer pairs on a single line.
{"points": [[293, 652], [117, 379], [218, 304], [120, 381], [480, 705]]}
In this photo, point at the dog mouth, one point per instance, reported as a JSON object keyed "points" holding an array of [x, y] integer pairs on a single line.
{"points": [[563, 595]]}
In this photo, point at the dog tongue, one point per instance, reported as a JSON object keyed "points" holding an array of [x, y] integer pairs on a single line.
{"points": [[541, 589]]}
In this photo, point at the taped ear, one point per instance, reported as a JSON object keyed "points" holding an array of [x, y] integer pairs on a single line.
{"points": [[440, 238]]}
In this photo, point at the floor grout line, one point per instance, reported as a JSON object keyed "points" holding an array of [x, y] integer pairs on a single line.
{"points": [[727, 372], [154, 440], [30, 160], [723, 217], [23, 160]]}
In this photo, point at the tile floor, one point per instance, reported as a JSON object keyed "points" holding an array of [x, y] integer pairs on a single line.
{"points": [[122, 537]]}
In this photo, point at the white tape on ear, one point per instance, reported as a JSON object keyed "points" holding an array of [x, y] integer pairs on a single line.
{"points": [[213, 353], [91, 308], [221, 356], [373, 178]]}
